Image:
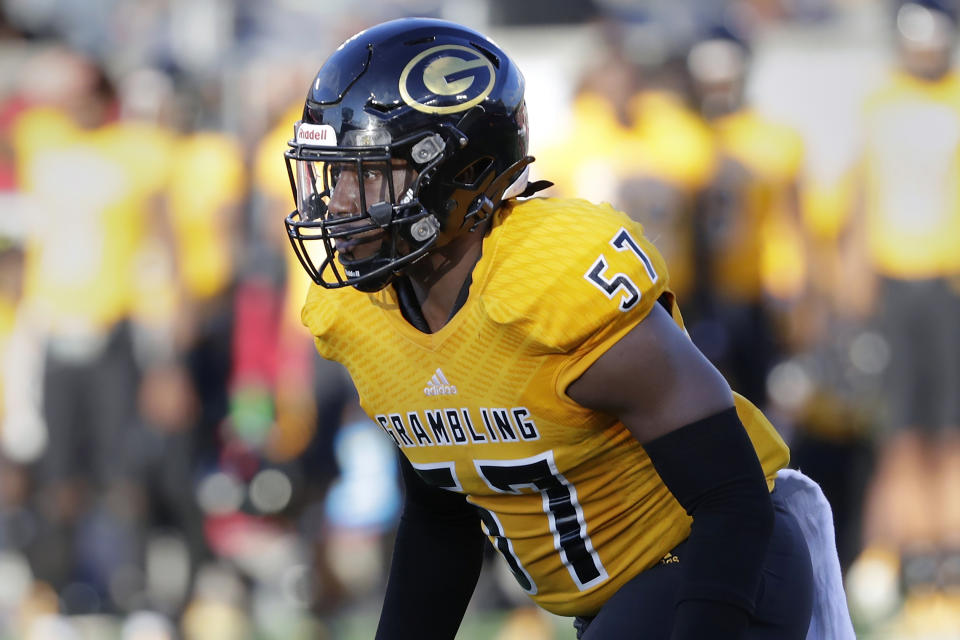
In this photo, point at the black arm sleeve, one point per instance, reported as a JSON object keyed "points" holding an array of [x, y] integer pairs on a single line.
{"points": [[712, 469], [436, 562]]}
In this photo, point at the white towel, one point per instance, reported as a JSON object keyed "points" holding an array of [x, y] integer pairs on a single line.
{"points": [[804, 499]]}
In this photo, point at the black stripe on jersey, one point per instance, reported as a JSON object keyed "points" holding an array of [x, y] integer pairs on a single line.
{"points": [[560, 503]]}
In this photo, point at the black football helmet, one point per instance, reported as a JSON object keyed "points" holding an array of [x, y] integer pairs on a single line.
{"points": [[427, 94]]}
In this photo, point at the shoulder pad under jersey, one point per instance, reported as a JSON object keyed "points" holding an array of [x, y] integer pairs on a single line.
{"points": [[565, 271]]}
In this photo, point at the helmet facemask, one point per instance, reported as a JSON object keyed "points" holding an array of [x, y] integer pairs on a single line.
{"points": [[388, 227]]}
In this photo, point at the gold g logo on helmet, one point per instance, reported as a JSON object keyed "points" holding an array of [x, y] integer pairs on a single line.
{"points": [[446, 79]]}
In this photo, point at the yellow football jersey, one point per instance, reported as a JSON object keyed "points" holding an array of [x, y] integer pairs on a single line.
{"points": [[756, 245], [667, 158], [207, 183], [911, 167], [89, 218], [566, 494]]}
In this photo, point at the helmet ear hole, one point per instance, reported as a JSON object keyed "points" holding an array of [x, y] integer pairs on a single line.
{"points": [[471, 175]]}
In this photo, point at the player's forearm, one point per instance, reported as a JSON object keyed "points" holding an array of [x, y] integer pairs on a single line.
{"points": [[436, 562], [432, 576], [712, 469]]}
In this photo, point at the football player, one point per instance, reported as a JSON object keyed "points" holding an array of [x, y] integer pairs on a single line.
{"points": [[910, 219], [527, 357]]}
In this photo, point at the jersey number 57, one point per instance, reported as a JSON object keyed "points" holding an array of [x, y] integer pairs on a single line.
{"points": [[611, 284]]}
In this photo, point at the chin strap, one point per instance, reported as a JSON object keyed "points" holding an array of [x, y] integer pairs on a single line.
{"points": [[502, 188]]}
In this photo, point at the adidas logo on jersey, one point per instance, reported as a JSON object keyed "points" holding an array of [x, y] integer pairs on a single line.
{"points": [[439, 386]]}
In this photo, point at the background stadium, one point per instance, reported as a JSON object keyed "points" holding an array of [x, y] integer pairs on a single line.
{"points": [[176, 461]]}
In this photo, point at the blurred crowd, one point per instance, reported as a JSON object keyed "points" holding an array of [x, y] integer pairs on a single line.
{"points": [[176, 461]]}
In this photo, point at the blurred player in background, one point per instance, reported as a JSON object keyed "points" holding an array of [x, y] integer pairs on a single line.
{"points": [[768, 286], [911, 221], [745, 223], [92, 218], [528, 359]]}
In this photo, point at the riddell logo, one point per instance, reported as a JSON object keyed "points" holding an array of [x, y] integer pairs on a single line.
{"points": [[439, 386], [316, 135]]}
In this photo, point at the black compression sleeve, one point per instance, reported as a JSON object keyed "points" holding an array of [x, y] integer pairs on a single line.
{"points": [[436, 563], [712, 469]]}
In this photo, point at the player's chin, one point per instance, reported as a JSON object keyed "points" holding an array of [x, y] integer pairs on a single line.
{"points": [[358, 249]]}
